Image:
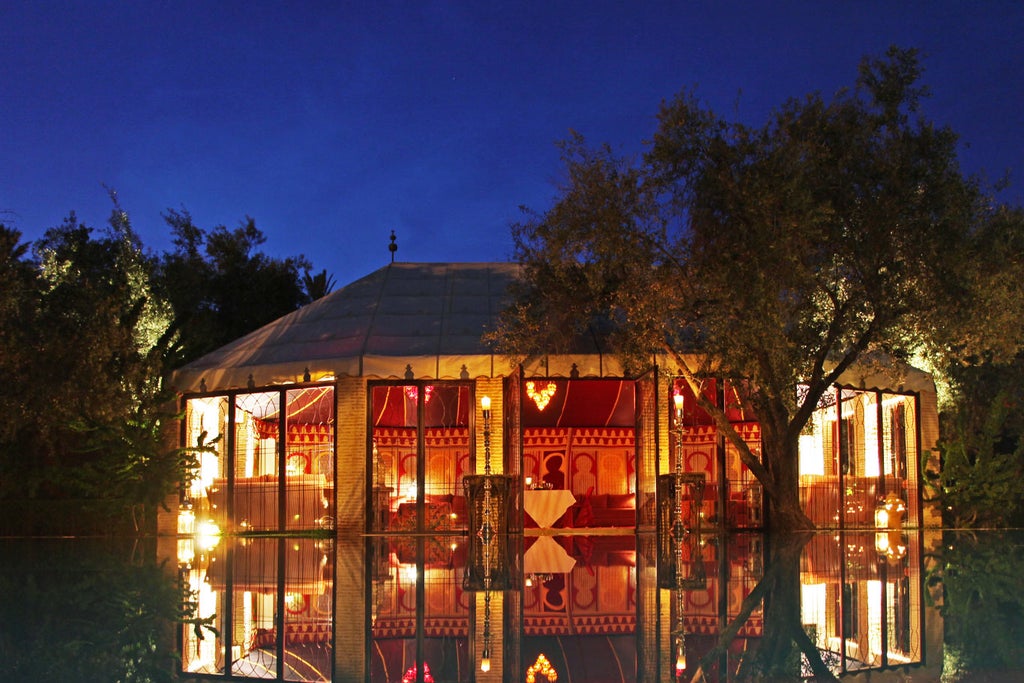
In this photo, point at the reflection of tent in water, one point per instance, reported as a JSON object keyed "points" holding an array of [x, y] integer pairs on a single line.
{"points": [[607, 658], [302, 662], [445, 658]]}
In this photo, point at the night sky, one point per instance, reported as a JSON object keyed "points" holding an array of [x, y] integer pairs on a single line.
{"points": [[334, 123]]}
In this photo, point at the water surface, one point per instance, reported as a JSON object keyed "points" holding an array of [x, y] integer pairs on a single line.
{"points": [[904, 606]]}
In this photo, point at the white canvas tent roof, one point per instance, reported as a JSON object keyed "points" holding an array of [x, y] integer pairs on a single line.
{"points": [[419, 320]]}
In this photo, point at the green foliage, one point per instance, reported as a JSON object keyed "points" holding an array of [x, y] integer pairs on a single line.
{"points": [[982, 479], [90, 328], [87, 355]]}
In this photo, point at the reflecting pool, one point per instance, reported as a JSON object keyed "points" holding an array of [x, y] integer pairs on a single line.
{"points": [[900, 606]]}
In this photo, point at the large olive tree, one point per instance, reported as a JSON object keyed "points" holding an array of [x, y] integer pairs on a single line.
{"points": [[781, 254]]}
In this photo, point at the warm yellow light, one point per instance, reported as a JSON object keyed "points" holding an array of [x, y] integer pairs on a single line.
{"points": [[543, 667], [678, 400], [485, 403], [186, 522], [541, 396], [680, 662], [186, 551], [207, 535], [485, 664], [529, 481]]}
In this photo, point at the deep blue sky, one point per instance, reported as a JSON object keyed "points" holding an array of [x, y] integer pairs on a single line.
{"points": [[334, 123]]}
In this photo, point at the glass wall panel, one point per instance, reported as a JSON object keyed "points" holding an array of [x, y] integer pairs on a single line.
{"points": [[205, 499], [859, 452], [579, 464], [256, 485], [309, 458], [395, 463], [706, 451], [420, 454], [262, 468], [900, 455], [859, 457]]}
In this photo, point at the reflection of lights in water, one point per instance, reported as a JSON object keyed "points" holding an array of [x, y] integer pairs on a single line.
{"points": [[543, 667], [186, 551], [890, 545]]}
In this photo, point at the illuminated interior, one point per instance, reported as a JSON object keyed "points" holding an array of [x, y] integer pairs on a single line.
{"points": [[859, 447], [279, 483], [732, 496], [420, 454], [579, 453]]}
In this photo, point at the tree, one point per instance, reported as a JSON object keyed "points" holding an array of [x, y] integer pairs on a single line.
{"points": [[84, 360], [221, 287], [780, 255], [317, 286], [90, 328], [19, 297]]}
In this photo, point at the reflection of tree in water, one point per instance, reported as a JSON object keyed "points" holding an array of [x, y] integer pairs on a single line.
{"points": [[86, 610], [785, 648], [982, 605]]}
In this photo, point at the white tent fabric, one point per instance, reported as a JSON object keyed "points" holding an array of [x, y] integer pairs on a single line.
{"points": [[419, 320]]}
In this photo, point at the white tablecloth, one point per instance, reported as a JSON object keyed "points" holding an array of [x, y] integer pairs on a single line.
{"points": [[546, 506]]}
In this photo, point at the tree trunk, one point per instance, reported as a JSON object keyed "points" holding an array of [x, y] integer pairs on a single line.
{"points": [[782, 461]]}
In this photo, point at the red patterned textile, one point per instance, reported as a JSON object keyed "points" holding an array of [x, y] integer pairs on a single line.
{"points": [[433, 627]]}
